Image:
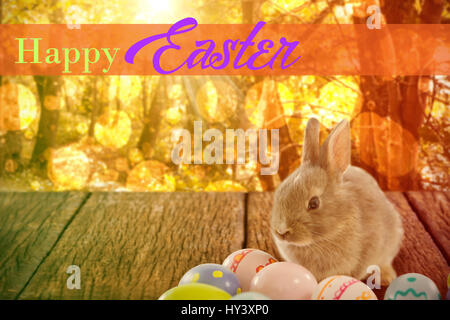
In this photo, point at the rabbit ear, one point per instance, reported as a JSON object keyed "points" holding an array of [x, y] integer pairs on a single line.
{"points": [[311, 142], [336, 150]]}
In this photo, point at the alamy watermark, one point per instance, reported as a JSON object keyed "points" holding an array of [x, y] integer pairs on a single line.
{"points": [[251, 142], [374, 280], [74, 280], [374, 20]]}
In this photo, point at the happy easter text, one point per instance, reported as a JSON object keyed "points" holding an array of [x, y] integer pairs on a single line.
{"points": [[265, 55]]}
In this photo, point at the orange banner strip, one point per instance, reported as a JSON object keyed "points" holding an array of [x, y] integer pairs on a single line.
{"points": [[186, 48]]}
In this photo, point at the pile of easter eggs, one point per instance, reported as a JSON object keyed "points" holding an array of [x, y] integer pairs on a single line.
{"points": [[252, 274]]}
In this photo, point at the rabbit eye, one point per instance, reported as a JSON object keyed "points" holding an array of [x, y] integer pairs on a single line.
{"points": [[313, 203]]}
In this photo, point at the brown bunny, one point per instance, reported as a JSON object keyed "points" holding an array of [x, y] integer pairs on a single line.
{"points": [[331, 217]]}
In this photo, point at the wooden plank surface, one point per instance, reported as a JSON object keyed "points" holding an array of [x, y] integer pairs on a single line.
{"points": [[30, 224], [418, 253], [433, 211], [259, 207], [137, 245]]}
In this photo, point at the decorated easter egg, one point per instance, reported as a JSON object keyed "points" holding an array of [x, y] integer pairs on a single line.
{"points": [[195, 291], [246, 263], [215, 275], [412, 286], [342, 288], [250, 295], [284, 281]]}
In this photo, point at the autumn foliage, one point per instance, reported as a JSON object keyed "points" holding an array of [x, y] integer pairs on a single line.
{"points": [[113, 133]]}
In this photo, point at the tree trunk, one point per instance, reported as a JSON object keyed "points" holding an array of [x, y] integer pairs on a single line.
{"points": [[248, 14], [272, 109], [432, 11], [97, 108], [11, 141], [247, 11], [152, 118], [2, 140], [1, 21], [48, 90], [393, 110], [274, 119], [10, 133]]}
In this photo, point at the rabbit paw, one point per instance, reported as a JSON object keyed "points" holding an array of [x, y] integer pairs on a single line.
{"points": [[388, 274]]}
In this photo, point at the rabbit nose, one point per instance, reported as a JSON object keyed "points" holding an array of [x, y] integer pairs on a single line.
{"points": [[283, 233]]}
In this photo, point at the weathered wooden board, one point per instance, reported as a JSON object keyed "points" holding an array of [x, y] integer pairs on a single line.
{"points": [[433, 210], [137, 245], [30, 224], [418, 253], [259, 207]]}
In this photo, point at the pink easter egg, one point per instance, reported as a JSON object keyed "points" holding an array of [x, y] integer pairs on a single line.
{"points": [[342, 288], [246, 263], [284, 281]]}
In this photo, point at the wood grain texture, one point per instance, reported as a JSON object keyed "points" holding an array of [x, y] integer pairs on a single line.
{"points": [[418, 253], [259, 207], [30, 224], [138, 245], [433, 210]]}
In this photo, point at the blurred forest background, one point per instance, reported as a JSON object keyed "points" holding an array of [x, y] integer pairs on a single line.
{"points": [[114, 132]]}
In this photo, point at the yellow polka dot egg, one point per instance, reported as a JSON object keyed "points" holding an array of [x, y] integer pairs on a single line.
{"points": [[342, 288], [215, 275]]}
